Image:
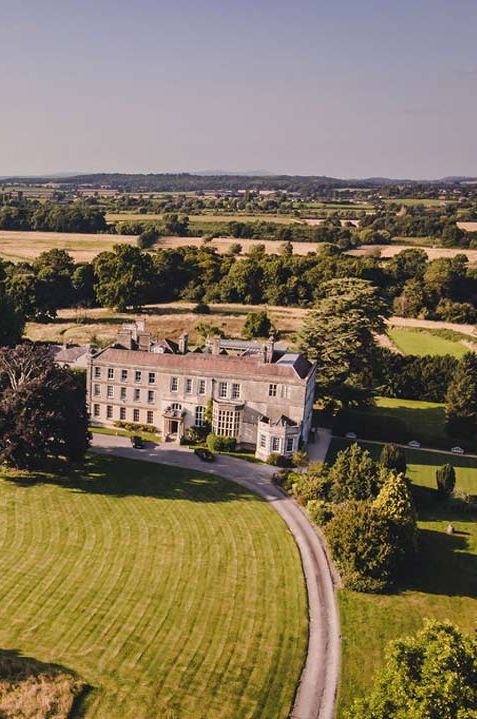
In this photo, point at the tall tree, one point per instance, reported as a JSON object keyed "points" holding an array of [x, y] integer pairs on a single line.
{"points": [[123, 277], [42, 408], [432, 675], [339, 331], [461, 398]]}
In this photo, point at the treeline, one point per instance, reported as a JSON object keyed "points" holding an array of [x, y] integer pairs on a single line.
{"points": [[127, 277], [51, 217], [440, 224]]}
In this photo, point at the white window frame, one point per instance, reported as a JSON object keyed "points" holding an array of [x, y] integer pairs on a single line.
{"points": [[236, 390], [123, 393], [275, 444], [96, 390], [150, 396], [110, 373], [96, 410], [97, 372], [289, 444], [223, 390], [151, 378], [174, 384], [122, 413], [272, 389], [137, 375], [262, 441], [109, 411], [188, 385], [136, 415], [124, 375], [199, 415], [110, 391], [202, 386], [137, 395], [150, 416]]}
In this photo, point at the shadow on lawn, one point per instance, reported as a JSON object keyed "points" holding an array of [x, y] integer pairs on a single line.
{"points": [[443, 566], [121, 477]]}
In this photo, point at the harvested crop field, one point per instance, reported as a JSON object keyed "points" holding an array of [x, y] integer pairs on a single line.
{"points": [[164, 320], [23, 246], [433, 253]]}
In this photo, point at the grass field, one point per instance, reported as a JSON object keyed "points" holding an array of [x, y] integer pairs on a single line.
{"points": [[166, 320], [20, 246], [442, 584], [415, 342], [399, 420], [171, 593]]}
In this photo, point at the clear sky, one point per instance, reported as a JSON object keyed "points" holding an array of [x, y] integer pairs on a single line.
{"points": [[348, 88]]}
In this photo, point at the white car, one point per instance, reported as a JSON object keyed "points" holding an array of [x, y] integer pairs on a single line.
{"points": [[457, 450], [414, 444], [351, 435]]}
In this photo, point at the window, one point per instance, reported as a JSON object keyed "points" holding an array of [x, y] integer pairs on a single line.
{"points": [[96, 390], [262, 441], [150, 417], [137, 395], [188, 385], [124, 375], [226, 422], [222, 389], [97, 372], [174, 384], [151, 377], [150, 395], [202, 386], [109, 411], [289, 444], [285, 391], [135, 415], [96, 410], [110, 391], [122, 413], [123, 393], [275, 444], [235, 391], [199, 416], [110, 373], [137, 376], [176, 406], [272, 390]]}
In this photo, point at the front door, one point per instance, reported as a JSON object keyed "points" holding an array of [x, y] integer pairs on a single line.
{"points": [[174, 426]]}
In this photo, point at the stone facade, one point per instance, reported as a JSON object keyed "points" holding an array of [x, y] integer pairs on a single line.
{"points": [[263, 397]]}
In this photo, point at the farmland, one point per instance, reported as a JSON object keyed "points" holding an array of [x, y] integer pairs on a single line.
{"points": [[420, 343], [169, 592], [169, 320], [441, 585], [21, 246]]}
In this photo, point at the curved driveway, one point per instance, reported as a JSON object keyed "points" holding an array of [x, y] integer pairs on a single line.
{"points": [[316, 692]]}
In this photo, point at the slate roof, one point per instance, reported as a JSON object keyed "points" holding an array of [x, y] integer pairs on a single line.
{"points": [[227, 365]]}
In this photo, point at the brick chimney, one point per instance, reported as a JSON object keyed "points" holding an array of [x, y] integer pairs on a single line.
{"points": [[215, 345], [183, 343], [125, 337], [267, 350], [144, 341]]}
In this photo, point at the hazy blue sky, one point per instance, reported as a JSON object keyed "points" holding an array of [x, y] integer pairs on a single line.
{"points": [[348, 88]]}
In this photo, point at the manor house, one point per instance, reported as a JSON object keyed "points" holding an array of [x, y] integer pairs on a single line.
{"points": [[260, 394]]}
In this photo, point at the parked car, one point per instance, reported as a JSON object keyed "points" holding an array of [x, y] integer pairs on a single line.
{"points": [[414, 444], [351, 435], [457, 450], [137, 442], [204, 454]]}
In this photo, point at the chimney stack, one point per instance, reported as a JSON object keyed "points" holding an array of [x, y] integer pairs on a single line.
{"points": [[183, 343], [215, 345], [267, 350]]}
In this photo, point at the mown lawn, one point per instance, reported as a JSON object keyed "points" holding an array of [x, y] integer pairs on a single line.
{"points": [[442, 584], [171, 593], [411, 342]]}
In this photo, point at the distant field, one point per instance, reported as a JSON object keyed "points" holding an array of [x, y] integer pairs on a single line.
{"points": [[414, 342], [433, 253], [172, 593], [223, 244], [18, 246], [205, 217], [165, 320], [442, 584], [415, 201]]}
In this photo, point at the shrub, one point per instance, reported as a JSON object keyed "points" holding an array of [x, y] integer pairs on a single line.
{"points": [[196, 434], [299, 458], [201, 308], [278, 460], [393, 457], [310, 486], [364, 546], [135, 427], [257, 324], [445, 480], [282, 478], [319, 511], [354, 475], [217, 443]]}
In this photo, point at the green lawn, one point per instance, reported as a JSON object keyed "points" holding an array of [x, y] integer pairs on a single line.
{"points": [[442, 584], [412, 342], [172, 593]]}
